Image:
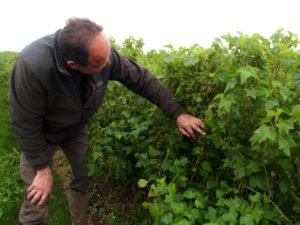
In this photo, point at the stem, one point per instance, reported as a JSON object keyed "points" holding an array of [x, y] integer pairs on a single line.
{"points": [[167, 155], [267, 178], [270, 200]]}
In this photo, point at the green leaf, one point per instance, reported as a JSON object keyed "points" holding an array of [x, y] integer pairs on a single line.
{"points": [[172, 189], [142, 183], [197, 98], [1, 212], [283, 185], [253, 167], [168, 58], [286, 143], [247, 220], [284, 126], [296, 79], [258, 181], [263, 91], [206, 166], [270, 104], [225, 104], [182, 222], [199, 204], [246, 73], [189, 194], [295, 113], [285, 165], [162, 181], [233, 203], [258, 213], [211, 214], [177, 207], [192, 214], [189, 60], [285, 93], [230, 217], [263, 133], [118, 135], [251, 93], [167, 218], [230, 85], [274, 114], [255, 198], [155, 210]]}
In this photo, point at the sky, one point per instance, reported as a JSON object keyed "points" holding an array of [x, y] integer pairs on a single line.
{"points": [[158, 22]]}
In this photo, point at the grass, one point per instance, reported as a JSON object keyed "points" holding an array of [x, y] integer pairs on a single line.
{"points": [[11, 190], [7, 138]]}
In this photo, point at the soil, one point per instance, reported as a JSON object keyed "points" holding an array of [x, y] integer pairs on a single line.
{"points": [[106, 198], [62, 168]]}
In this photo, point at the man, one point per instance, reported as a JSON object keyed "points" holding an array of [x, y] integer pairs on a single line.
{"points": [[57, 84]]}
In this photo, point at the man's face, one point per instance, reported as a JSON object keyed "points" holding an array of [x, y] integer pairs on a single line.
{"points": [[98, 59]]}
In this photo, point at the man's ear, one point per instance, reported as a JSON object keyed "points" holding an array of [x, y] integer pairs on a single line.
{"points": [[72, 64]]}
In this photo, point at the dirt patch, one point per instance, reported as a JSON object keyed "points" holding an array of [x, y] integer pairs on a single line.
{"points": [[62, 168], [111, 202]]}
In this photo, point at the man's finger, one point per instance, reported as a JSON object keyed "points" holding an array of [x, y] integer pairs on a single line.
{"points": [[36, 197], [43, 200], [184, 132], [201, 123], [31, 193], [30, 188], [200, 131], [190, 131]]}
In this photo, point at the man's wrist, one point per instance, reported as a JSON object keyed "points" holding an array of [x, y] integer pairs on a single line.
{"points": [[46, 170]]}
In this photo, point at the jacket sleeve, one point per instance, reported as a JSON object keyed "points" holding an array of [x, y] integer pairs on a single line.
{"points": [[142, 82], [27, 105]]}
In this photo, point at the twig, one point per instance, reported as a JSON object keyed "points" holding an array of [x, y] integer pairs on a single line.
{"points": [[270, 200]]}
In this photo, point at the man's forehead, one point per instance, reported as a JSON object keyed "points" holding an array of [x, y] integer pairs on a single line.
{"points": [[99, 49]]}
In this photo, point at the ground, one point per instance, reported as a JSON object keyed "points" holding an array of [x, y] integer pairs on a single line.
{"points": [[109, 204]]}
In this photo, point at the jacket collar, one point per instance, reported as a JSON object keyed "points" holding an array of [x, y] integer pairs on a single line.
{"points": [[60, 64]]}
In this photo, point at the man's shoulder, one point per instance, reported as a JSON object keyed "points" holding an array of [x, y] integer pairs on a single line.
{"points": [[39, 50], [39, 55]]}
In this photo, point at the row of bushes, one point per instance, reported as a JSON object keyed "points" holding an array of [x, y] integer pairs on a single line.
{"points": [[246, 169]]}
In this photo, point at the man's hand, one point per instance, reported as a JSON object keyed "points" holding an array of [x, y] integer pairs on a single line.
{"points": [[188, 124], [40, 189]]}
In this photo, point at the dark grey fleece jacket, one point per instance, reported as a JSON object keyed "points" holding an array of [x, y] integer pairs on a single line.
{"points": [[47, 98]]}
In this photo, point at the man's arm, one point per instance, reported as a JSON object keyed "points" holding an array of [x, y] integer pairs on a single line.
{"points": [[142, 82], [27, 104]]}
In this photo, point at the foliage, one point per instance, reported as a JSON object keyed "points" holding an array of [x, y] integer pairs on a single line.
{"points": [[11, 191], [10, 187], [7, 60], [246, 170]]}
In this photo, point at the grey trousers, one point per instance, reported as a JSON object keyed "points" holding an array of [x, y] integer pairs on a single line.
{"points": [[74, 143]]}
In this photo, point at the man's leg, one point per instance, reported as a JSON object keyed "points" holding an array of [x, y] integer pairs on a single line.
{"points": [[75, 147], [29, 213]]}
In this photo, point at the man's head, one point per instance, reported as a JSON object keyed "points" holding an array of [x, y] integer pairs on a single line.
{"points": [[85, 47]]}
